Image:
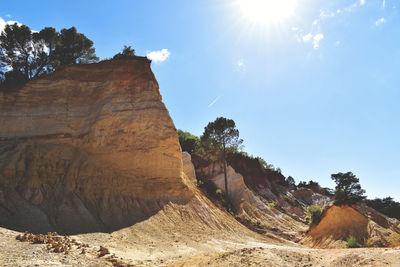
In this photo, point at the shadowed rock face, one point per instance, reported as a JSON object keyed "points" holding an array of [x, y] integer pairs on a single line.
{"points": [[247, 205], [88, 148]]}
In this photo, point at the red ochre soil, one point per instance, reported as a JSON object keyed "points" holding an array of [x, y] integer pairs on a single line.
{"points": [[338, 223]]}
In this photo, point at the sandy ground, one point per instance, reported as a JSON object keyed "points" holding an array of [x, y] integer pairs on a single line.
{"points": [[301, 257], [221, 253], [196, 234], [16, 253]]}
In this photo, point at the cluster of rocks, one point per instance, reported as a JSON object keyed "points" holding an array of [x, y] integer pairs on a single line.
{"points": [[55, 243]]}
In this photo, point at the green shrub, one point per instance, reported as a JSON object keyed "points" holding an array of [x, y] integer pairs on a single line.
{"points": [[351, 242], [200, 183], [258, 197], [398, 226], [270, 204], [314, 212], [218, 192], [188, 142], [367, 242]]}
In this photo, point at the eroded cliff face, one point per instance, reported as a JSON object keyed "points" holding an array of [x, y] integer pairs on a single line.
{"points": [[253, 210], [369, 227], [88, 148], [271, 186]]}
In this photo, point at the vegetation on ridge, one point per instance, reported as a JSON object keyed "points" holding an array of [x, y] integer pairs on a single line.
{"points": [[127, 52], [315, 213], [348, 191], [221, 137], [26, 54], [387, 206]]}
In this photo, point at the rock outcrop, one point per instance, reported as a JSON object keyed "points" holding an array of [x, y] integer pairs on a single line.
{"points": [[250, 208], [366, 225], [271, 186], [88, 148], [188, 167]]}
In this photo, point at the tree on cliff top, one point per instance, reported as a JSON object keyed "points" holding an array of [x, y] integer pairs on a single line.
{"points": [[20, 52], [221, 137], [347, 190], [127, 52], [25, 54], [74, 48]]}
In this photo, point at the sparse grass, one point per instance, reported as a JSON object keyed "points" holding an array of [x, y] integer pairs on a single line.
{"points": [[367, 242], [200, 183], [314, 212], [351, 242], [270, 204]]}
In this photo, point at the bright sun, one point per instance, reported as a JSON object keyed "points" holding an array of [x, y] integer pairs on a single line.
{"points": [[266, 12]]}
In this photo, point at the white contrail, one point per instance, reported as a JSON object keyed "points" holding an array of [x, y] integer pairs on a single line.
{"points": [[214, 101]]}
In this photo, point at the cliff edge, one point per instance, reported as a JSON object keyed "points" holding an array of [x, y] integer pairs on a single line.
{"points": [[88, 148]]}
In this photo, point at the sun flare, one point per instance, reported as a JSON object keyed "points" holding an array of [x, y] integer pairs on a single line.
{"points": [[267, 12]]}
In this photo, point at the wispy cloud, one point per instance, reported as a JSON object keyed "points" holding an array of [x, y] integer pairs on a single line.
{"points": [[158, 55], [384, 3], [214, 101], [240, 64], [306, 38], [8, 16], [380, 21], [351, 7], [317, 38], [337, 43], [314, 34]]}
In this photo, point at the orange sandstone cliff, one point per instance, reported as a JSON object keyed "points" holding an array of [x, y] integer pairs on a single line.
{"points": [[88, 148]]}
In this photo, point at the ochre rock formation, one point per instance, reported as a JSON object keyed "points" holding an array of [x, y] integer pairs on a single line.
{"points": [[271, 186], [88, 148], [341, 222], [188, 167], [247, 205]]}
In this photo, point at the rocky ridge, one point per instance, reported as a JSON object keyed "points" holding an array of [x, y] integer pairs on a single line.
{"points": [[88, 148]]}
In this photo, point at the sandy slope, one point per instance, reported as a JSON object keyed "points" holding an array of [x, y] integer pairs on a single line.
{"points": [[265, 255], [194, 234], [188, 252]]}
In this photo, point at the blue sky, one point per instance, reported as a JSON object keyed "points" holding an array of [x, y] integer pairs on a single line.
{"points": [[314, 93]]}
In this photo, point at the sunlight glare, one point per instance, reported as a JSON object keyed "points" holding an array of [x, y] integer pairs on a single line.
{"points": [[266, 12]]}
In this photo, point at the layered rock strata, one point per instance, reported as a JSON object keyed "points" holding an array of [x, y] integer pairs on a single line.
{"points": [[248, 206], [88, 148], [367, 226]]}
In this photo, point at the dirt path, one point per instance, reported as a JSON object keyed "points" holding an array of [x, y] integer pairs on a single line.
{"points": [[298, 257]]}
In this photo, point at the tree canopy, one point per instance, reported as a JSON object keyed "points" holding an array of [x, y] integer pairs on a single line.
{"points": [[74, 48], [347, 190], [188, 141], [127, 52], [219, 138], [386, 205], [25, 54]]}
